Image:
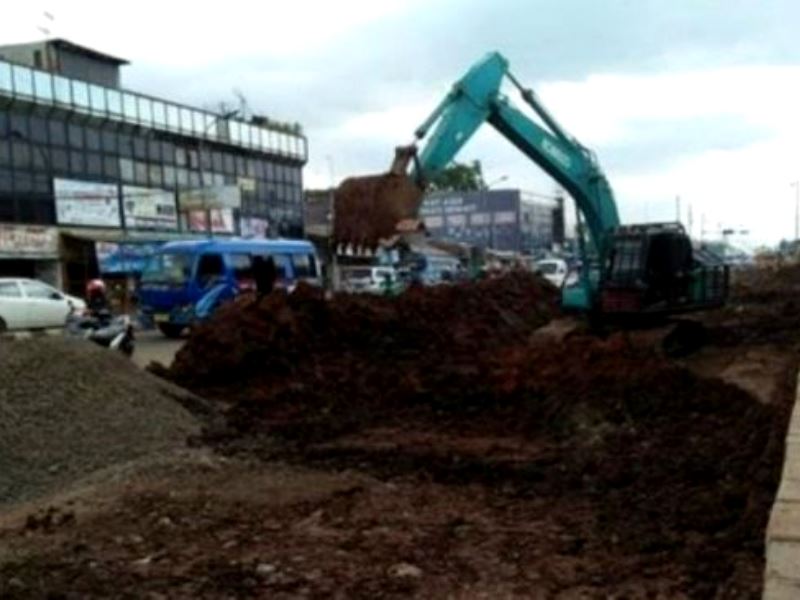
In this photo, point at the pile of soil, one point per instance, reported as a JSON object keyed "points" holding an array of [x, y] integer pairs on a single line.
{"points": [[661, 474], [69, 408], [341, 357]]}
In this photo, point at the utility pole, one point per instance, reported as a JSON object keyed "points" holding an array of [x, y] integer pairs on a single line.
{"points": [[690, 220], [796, 186], [678, 209]]}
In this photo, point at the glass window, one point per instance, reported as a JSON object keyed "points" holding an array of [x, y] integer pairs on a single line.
{"points": [[168, 152], [23, 80], [304, 265], [80, 94], [241, 265], [145, 110], [76, 162], [168, 268], [198, 122], [40, 157], [94, 164], [140, 148], [154, 150], [156, 179], [235, 131], [126, 169], [23, 182], [209, 125], [59, 159], [58, 134], [217, 159], [186, 120], [6, 83], [75, 133], [5, 152], [180, 156], [194, 179], [173, 117], [159, 114], [111, 167], [114, 99], [129, 109], [209, 269], [140, 172], [110, 141], [38, 129], [125, 145], [241, 167], [21, 153], [229, 164], [43, 84], [93, 139], [169, 176], [97, 97], [9, 289], [205, 159], [183, 177], [40, 291]]}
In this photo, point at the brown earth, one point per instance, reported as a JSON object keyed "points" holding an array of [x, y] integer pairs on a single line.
{"points": [[453, 454]]}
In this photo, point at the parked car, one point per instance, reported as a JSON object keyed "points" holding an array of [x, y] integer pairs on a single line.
{"points": [[371, 280], [32, 304], [553, 269]]}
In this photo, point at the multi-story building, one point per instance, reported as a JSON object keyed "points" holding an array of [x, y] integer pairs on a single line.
{"points": [[83, 160], [506, 220]]}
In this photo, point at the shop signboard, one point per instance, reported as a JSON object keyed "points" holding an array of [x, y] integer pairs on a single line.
{"points": [[222, 221], [86, 203], [253, 227], [149, 208], [22, 241], [115, 258], [210, 197]]}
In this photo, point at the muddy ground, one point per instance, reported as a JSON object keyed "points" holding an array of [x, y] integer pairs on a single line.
{"points": [[434, 447]]}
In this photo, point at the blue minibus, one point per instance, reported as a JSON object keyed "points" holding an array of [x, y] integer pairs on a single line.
{"points": [[183, 276]]}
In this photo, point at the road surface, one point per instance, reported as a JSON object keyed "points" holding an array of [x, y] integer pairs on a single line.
{"points": [[152, 346]]}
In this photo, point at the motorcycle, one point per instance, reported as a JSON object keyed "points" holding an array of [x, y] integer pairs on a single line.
{"points": [[102, 328]]}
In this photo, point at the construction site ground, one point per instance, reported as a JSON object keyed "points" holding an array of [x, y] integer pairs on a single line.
{"points": [[488, 461]]}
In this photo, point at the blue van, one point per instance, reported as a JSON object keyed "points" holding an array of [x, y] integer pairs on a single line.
{"points": [[183, 281]]}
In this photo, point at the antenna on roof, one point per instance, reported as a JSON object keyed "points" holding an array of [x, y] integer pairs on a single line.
{"points": [[46, 26]]}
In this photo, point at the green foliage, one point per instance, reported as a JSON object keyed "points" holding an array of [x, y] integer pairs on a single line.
{"points": [[459, 177]]}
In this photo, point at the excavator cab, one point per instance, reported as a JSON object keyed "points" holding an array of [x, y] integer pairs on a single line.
{"points": [[654, 269]]}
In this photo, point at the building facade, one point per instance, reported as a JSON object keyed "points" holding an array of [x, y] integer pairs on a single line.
{"points": [[83, 160], [505, 220]]}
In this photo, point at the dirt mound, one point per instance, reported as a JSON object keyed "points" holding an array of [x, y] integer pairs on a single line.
{"points": [[355, 341], [68, 408], [641, 475]]}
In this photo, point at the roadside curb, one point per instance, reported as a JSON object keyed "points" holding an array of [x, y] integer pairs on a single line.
{"points": [[782, 575], [27, 335]]}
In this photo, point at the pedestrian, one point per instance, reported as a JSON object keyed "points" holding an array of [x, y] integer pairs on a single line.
{"points": [[264, 274]]}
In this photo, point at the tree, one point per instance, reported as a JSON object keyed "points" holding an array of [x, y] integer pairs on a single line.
{"points": [[459, 177]]}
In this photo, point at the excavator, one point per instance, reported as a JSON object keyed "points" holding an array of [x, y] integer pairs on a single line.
{"points": [[627, 270]]}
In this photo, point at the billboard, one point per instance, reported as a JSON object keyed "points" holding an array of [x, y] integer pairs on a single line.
{"points": [[253, 227], [114, 258], [86, 203], [222, 221], [211, 197], [488, 219], [149, 208], [23, 241]]}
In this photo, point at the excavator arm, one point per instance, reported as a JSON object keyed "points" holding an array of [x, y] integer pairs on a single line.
{"points": [[474, 100]]}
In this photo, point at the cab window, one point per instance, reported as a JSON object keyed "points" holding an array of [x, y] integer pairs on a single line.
{"points": [[210, 269], [304, 265], [241, 266], [281, 265]]}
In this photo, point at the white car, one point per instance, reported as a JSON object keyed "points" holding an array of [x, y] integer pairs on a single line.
{"points": [[553, 269], [32, 304]]}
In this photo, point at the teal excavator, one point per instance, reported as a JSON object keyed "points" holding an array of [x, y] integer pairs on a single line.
{"points": [[627, 270]]}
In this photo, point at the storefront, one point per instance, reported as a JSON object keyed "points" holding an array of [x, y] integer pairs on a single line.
{"points": [[30, 251]]}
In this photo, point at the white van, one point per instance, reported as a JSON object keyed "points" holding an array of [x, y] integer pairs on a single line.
{"points": [[552, 269], [371, 280]]}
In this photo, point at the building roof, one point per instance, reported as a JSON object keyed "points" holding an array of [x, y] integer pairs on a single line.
{"points": [[91, 53]]}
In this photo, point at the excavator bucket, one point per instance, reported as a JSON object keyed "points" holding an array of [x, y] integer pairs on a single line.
{"points": [[368, 209]]}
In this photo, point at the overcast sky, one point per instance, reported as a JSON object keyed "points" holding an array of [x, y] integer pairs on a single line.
{"points": [[690, 98]]}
